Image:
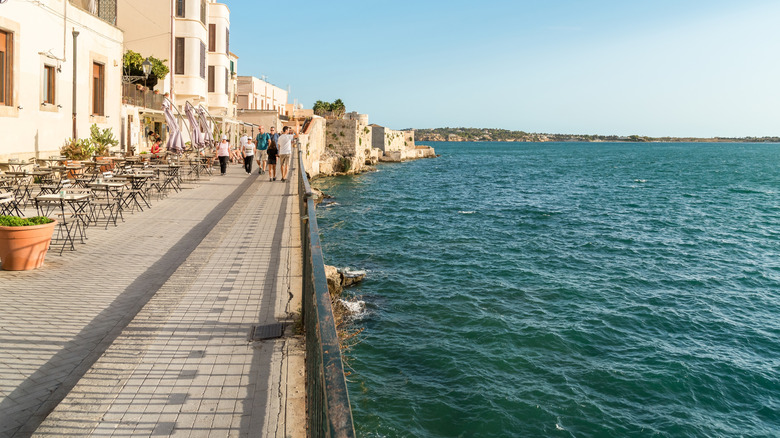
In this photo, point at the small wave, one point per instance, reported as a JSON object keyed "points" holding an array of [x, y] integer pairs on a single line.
{"points": [[329, 204], [355, 307], [466, 212], [640, 180]]}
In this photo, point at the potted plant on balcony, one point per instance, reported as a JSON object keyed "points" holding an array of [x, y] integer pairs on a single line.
{"points": [[24, 242]]}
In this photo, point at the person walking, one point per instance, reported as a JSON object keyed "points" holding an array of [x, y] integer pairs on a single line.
{"points": [[285, 150], [274, 137], [261, 141], [223, 152], [248, 151], [272, 153]]}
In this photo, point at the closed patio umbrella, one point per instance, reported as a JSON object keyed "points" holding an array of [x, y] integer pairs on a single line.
{"points": [[175, 142], [195, 133], [208, 136]]}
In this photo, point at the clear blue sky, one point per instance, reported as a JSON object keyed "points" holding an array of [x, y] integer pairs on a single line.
{"points": [[649, 67]]}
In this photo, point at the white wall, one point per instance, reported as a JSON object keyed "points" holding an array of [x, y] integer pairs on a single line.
{"points": [[36, 129]]}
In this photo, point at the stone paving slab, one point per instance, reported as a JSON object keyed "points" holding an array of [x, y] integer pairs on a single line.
{"points": [[143, 330]]}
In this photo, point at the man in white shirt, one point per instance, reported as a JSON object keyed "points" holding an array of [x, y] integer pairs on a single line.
{"points": [[285, 150]]}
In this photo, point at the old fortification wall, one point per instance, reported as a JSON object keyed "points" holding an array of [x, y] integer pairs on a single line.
{"points": [[349, 146], [388, 140]]}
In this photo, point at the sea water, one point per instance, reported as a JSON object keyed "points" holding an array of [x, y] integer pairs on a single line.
{"points": [[564, 290]]}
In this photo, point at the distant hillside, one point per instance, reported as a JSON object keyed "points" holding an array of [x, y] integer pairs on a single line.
{"points": [[490, 134]]}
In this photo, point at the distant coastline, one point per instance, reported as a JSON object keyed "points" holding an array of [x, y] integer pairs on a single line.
{"points": [[492, 134]]}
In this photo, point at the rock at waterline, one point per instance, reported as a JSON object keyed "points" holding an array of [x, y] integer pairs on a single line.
{"points": [[334, 280], [350, 277], [338, 279], [319, 195]]}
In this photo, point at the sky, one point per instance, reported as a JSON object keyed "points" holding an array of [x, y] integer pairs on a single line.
{"points": [[698, 68]]}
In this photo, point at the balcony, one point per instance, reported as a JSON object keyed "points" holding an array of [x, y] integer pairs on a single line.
{"points": [[103, 9], [131, 95]]}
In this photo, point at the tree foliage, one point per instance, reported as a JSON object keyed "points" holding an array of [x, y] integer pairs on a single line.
{"points": [[132, 65], [335, 109]]}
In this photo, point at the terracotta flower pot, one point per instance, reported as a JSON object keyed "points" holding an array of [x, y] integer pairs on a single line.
{"points": [[24, 248]]}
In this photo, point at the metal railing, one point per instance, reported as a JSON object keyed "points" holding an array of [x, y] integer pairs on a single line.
{"points": [[143, 98], [329, 413]]}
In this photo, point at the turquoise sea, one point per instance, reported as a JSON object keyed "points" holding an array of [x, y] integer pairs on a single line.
{"points": [[564, 290]]}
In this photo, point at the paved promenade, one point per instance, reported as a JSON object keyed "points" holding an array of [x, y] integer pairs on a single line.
{"points": [[144, 329]]}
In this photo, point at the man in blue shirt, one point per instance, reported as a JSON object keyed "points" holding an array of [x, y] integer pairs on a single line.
{"points": [[262, 140]]}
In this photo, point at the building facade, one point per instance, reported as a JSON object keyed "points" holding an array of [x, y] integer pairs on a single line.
{"points": [[60, 73], [194, 37], [257, 94]]}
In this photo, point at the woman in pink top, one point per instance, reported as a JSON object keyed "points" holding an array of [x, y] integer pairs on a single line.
{"points": [[223, 152]]}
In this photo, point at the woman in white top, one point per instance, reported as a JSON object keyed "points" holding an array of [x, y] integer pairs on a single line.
{"points": [[248, 150], [223, 152]]}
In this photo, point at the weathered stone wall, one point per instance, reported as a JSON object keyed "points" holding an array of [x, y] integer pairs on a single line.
{"points": [[313, 145], [348, 146], [388, 140]]}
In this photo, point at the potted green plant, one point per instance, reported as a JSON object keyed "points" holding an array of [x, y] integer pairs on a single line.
{"points": [[24, 241], [79, 150], [102, 140]]}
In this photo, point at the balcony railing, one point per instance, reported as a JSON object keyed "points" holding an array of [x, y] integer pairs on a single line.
{"points": [[131, 95], [103, 9]]}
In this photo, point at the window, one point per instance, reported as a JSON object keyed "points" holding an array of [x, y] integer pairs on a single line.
{"points": [[227, 41], [202, 60], [179, 67], [98, 91], [232, 66], [212, 37], [212, 86], [203, 11], [227, 73], [49, 83], [180, 8], [6, 67]]}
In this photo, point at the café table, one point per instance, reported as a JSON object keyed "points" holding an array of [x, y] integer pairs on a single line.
{"points": [[54, 161], [137, 190], [15, 166], [69, 224]]}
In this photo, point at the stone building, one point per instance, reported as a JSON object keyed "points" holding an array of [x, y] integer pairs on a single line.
{"points": [[258, 94]]}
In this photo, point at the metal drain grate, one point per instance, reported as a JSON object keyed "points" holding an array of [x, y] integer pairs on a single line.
{"points": [[270, 331]]}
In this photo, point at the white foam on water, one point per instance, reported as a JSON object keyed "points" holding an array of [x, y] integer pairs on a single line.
{"points": [[467, 212], [349, 272], [355, 307]]}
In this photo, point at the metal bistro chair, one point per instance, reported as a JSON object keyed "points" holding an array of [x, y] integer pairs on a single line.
{"points": [[109, 207], [8, 205], [83, 211]]}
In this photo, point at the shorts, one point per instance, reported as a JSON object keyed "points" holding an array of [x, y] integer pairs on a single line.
{"points": [[284, 159], [262, 154]]}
